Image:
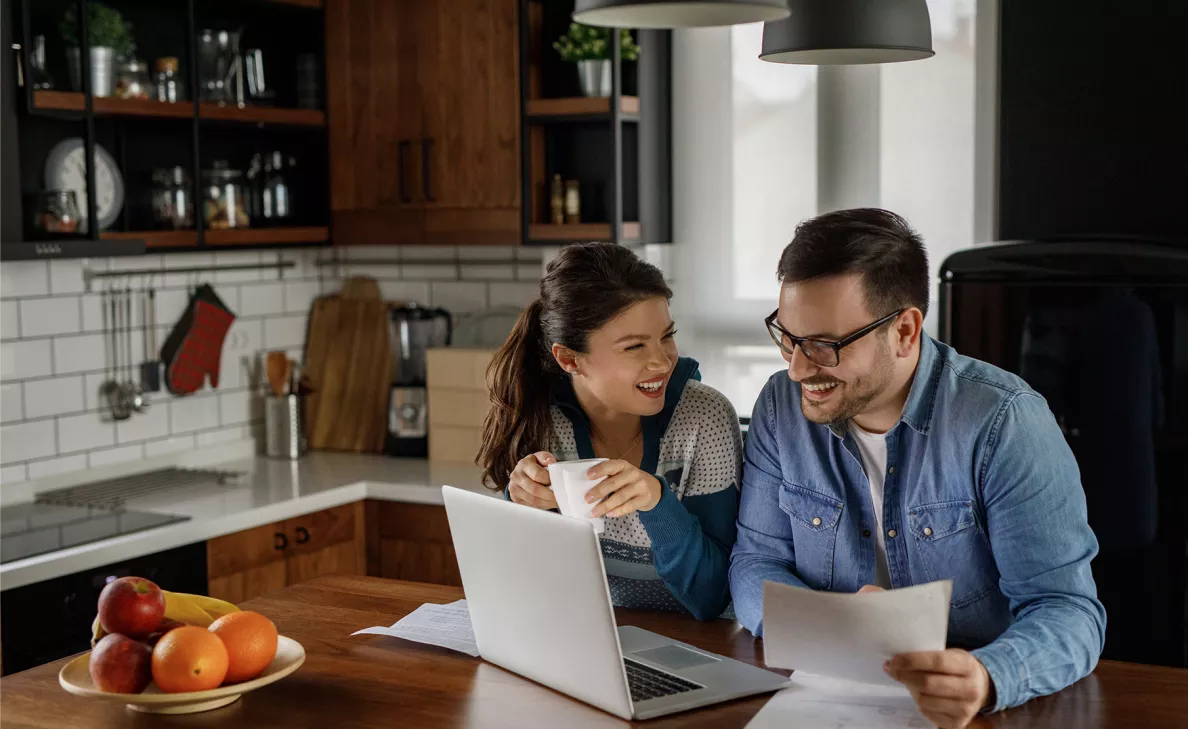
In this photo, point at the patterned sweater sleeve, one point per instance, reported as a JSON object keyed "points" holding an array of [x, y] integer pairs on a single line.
{"points": [[692, 536]]}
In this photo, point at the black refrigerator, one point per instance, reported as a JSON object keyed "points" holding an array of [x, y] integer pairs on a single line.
{"points": [[1099, 327]]}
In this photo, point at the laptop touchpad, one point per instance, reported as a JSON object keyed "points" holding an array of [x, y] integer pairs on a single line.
{"points": [[675, 657]]}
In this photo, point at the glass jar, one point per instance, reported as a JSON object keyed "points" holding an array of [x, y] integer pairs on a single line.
{"points": [[133, 81], [55, 212], [276, 205], [169, 85], [173, 204], [223, 200]]}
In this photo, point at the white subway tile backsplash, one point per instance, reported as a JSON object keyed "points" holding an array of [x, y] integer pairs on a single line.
{"points": [[529, 272], [153, 423], [171, 304], [459, 297], [415, 253], [58, 396], [10, 475], [405, 291], [184, 260], [10, 319], [513, 294], [236, 408], [96, 315], [26, 441], [486, 253], [21, 360], [130, 263], [57, 466], [375, 253], [193, 413], [179, 444], [24, 278], [489, 273], [284, 331], [224, 435], [300, 295], [423, 272], [66, 277], [262, 299], [115, 455], [84, 432], [225, 258], [12, 409], [85, 353], [529, 253], [239, 358], [45, 317]]}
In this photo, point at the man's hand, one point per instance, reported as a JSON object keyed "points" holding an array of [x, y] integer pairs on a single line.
{"points": [[950, 687]]}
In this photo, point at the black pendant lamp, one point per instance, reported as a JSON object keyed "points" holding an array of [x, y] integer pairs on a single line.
{"points": [[849, 32], [677, 13]]}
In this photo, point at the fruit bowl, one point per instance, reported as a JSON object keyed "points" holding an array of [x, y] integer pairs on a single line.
{"points": [[75, 677]]}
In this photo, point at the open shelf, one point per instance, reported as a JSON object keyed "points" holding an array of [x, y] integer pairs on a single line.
{"points": [[542, 232], [298, 3], [156, 238], [581, 107], [264, 236], [111, 106]]}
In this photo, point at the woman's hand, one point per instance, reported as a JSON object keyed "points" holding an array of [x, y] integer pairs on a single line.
{"points": [[625, 490], [530, 481]]}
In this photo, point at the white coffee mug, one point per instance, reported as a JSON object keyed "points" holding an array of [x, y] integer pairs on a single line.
{"points": [[570, 485]]}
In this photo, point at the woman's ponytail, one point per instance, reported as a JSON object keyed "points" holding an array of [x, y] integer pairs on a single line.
{"points": [[519, 421]]}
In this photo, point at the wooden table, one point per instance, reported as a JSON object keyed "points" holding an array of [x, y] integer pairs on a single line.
{"points": [[375, 681]]}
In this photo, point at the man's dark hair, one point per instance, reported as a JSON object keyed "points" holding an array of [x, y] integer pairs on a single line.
{"points": [[875, 243]]}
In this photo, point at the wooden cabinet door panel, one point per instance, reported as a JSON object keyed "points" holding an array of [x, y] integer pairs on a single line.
{"points": [[412, 542], [433, 562], [250, 583], [321, 529], [342, 558], [468, 62], [251, 548]]}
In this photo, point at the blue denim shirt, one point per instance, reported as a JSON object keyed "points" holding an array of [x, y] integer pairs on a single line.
{"points": [[980, 489]]}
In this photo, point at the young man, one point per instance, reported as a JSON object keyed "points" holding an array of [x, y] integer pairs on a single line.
{"points": [[884, 459]]}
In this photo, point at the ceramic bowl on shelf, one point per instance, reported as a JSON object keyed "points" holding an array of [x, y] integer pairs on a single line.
{"points": [[75, 677]]}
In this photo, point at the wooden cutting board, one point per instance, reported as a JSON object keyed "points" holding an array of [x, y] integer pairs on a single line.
{"points": [[348, 360]]}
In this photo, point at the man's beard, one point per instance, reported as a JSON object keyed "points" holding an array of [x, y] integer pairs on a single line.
{"points": [[857, 394]]}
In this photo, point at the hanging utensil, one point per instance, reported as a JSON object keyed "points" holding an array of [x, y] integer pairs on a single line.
{"points": [[133, 398], [111, 390], [150, 369]]}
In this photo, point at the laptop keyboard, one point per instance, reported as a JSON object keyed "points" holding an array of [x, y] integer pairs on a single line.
{"points": [[646, 682]]}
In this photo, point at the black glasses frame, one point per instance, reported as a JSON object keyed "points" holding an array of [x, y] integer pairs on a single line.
{"points": [[778, 334]]}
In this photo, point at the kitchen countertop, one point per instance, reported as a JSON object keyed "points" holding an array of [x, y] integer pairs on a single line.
{"points": [[269, 490]]}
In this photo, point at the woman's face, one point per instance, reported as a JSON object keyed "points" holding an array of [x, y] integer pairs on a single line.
{"points": [[630, 359]]}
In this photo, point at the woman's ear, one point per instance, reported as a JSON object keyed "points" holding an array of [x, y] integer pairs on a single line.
{"points": [[566, 358]]}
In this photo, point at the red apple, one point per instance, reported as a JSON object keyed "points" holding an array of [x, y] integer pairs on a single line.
{"points": [[121, 665], [131, 605]]}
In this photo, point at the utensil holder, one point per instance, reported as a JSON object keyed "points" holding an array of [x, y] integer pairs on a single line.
{"points": [[284, 432]]}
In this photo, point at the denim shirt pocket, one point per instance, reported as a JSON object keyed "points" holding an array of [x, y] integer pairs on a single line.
{"points": [[951, 546], [815, 518]]}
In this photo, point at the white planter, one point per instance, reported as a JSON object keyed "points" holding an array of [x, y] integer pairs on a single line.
{"points": [[595, 77], [102, 70]]}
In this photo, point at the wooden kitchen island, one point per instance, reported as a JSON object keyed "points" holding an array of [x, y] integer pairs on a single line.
{"points": [[374, 682]]}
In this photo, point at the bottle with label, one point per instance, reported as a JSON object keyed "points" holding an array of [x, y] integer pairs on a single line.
{"points": [[557, 202], [573, 203]]}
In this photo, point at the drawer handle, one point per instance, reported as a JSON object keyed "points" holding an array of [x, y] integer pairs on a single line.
{"points": [[302, 535], [280, 541]]}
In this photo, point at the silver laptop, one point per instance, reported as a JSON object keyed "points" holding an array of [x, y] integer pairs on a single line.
{"points": [[540, 607]]}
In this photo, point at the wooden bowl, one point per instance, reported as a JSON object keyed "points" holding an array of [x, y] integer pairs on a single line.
{"points": [[75, 677]]}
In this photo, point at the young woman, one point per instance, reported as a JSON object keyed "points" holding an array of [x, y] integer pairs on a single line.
{"points": [[591, 370]]}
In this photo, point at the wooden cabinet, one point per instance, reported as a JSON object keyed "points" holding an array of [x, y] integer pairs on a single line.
{"points": [[256, 561], [410, 542], [423, 107]]}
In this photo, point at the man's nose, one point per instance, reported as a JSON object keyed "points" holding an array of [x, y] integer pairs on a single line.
{"points": [[799, 366]]}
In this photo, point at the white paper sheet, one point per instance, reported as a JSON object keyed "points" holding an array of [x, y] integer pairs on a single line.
{"points": [[447, 626], [849, 635], [817, 702]]}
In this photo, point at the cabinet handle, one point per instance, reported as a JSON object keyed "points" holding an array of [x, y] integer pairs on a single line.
{"points": [[426, 177], [280, 541], [302, 535], [401, 155]]}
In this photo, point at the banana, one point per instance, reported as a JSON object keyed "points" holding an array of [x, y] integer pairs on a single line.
{"points": [[216, 607], [183, 607], [97, 632]]}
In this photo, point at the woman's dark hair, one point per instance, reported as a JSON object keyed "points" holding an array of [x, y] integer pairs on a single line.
{"points": [[876, 244], [586, 286]]}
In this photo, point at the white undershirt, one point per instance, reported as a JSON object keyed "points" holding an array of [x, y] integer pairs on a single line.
{"points": [[873, 448]]}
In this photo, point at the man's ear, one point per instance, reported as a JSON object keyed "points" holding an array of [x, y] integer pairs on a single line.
{"points": [[908, 328], [566, 358]]}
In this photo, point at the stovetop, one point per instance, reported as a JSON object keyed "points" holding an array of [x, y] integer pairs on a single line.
{"points": [[27, 530]]}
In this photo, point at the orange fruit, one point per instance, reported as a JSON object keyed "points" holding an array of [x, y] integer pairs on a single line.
{"points": [[250, 639], [189, 659]]}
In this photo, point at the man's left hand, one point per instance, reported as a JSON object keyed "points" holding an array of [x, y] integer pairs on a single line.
{"points": [[950, 687]]}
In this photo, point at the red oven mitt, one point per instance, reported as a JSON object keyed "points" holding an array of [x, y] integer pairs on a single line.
{"points": [[195, 346]]}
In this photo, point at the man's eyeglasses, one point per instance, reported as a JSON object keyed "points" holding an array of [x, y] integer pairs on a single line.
{"points": [[820, 351]]}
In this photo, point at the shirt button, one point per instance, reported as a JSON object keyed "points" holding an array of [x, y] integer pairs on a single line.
{"points": [[891, 533], [928, 531], [816, 521], [891, 469], [866, 532]]}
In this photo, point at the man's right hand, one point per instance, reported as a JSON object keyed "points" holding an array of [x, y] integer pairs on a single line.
{"points": [[530, 481]]}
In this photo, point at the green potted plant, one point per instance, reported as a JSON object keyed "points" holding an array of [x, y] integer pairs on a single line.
{"points": [[109, 37], [589, 49]]}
